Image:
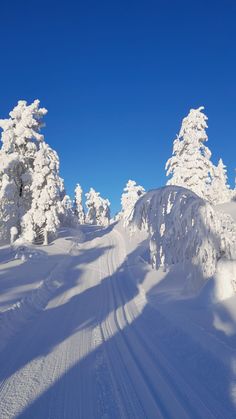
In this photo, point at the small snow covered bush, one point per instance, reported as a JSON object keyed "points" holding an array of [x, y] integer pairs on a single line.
{"points": [[184, 227]]}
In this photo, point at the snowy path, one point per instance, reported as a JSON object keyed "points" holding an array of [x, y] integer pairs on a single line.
{"points": [[99, 351]]}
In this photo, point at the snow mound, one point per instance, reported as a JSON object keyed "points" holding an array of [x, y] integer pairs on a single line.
{"points": [[184, 228], [224, 280]]}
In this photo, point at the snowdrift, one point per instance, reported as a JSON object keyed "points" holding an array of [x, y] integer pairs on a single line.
{"points": [[184, 228]]}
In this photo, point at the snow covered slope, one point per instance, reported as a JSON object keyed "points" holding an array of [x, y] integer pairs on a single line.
{"points": [[116, 339]]}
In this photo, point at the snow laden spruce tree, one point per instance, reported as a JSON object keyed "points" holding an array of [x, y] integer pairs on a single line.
{"points": [[132, 192], [43, 218], [220, 192], [78, 205], [190, 165], [20, 138], [98, 209]]}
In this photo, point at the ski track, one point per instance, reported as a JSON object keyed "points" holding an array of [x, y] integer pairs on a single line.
{"points": [[97, 350]]}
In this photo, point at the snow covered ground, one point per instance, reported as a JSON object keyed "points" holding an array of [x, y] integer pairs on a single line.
{"points": [[89, 330]]}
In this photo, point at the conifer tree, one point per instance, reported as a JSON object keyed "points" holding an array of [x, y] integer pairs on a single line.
{"points": [[132, 192], [219, 189], [98, 209], [190, 165], [78, 205], [20, 142], [43, 218]]}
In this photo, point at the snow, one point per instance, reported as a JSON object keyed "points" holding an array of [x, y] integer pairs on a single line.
{"points": [[98, 333], [88, 328], [184, 228], [190, 165], [98, 209], [227, 208], [225, 280]]}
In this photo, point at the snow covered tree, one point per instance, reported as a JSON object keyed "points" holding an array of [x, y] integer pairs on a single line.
{"points": [[67, 216], [132, 192], [92, 198], [190, 164], [42, 218], [103, 212], [21, 132], [98, 209], [78, 206], [185, 229], [219, 190], [20, 142]]}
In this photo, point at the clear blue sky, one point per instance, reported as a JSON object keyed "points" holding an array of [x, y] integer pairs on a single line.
{"points": [[117, 77]]}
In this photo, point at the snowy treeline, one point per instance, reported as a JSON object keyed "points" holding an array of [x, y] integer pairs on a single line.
{"points": [[184, 228], [33, 200]]}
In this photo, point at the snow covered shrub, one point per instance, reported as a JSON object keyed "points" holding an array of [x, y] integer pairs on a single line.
{"points": [[98, 209], [78, 206], [190, 165], [184, 227], [132, 192]]}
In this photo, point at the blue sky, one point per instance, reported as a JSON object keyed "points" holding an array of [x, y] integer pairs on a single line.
{"points": [[117, 77]]}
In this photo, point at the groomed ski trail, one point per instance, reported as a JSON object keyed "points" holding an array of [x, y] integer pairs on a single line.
{"points": [[97, 351]]}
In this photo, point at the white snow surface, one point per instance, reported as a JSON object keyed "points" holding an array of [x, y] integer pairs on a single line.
{"points": [[90, 330]]}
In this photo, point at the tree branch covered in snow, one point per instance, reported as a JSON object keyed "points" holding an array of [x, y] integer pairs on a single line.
{"points": [[184, 227]]}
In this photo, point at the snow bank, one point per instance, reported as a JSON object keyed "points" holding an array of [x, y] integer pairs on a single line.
{"points": [[229, 208], [224, 280], [184, 228]]}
